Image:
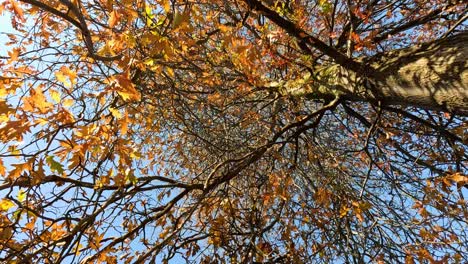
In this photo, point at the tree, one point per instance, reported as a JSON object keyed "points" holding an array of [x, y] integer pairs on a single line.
{"points": [[248, 131]]}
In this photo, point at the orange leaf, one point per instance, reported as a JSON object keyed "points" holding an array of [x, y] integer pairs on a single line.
{"points": [[36, 100], [18, 169], [17, 9], [2, 168], [14, 54], [125, 87], [459, 179], [113, 18], [167, 6]]}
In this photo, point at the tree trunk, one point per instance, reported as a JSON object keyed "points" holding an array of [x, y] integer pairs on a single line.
{"points": [[431, 76]]}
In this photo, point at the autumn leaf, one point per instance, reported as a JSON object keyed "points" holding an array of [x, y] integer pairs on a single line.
{"points": [[17, 9], [14, 54], [18, 169], [66, 76], [115, 113], [55, 95], [325, 5], [458, 178], [2, 168], [167, 6], [360, 208], [21, 195], [5, 108], [344, 210], [233, 131], [68, 102], [149, 17], [37, 100], [6, 204], [124, 122], [180, 19], [61, 77], [125, 88], [113, 18]]}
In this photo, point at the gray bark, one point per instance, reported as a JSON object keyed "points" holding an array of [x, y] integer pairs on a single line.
{"points": [[431, 76]]}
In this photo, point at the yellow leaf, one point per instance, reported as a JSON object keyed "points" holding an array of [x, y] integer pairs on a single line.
{"points": [[62, 75], [14, 54], [41, 121], [344, 211], [55, 95], [360, 208], [68, 102], [224, 28], [124, 124], [149, 17], [170, 71], [180, 19], [6, 204], [21, 195], [70, 73], [62, 78], [3, 90], [115, 113]]}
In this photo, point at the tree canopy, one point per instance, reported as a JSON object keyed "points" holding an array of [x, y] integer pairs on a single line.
{"points": [[247, 131]]}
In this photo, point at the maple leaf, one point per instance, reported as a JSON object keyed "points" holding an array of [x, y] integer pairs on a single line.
{"points": [[125, 88], [14, 54], [55, 95], [115, 113], [37, 100]]}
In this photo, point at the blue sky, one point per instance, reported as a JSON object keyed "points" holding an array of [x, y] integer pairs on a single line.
{"points": [[5, 27]]}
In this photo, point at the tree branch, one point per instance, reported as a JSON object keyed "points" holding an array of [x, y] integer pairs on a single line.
{"points": [[308, 39]]}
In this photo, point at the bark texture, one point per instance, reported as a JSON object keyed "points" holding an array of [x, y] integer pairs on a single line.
{"points": [[431, 76]]}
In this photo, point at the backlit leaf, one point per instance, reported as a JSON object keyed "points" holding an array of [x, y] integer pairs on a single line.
{"points": [[6, 204], [113, 18], [54, 165], [21, 195]]}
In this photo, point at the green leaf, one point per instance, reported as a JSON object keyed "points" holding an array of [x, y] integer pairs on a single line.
{"points": [[325, 5], [54, 166]]}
